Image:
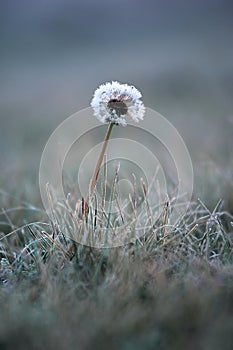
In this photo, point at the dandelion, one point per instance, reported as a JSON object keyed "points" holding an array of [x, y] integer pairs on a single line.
{"points": [[112, 103]]}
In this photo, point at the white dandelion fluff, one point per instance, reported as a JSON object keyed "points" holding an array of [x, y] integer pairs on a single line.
{"points": [[113, 102]]}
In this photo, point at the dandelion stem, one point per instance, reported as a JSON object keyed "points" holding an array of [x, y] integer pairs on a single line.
{"points": [[98, 164]]}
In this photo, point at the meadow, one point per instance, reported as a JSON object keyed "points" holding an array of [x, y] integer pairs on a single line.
{"points": [[172, 288]]}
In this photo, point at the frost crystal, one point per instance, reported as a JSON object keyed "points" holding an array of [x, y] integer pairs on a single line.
{"points": [[113, 102]]}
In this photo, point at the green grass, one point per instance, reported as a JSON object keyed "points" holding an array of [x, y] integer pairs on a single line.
{"points": [[170, 289], [173, 288]]}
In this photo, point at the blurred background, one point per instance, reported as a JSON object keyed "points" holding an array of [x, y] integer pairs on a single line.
{"points": [[55, 53]]}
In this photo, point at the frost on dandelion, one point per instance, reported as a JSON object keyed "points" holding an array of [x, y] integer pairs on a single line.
{"points": [[113, 102]]}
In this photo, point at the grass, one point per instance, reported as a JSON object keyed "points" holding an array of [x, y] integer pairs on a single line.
{"points": [[172, 288]]}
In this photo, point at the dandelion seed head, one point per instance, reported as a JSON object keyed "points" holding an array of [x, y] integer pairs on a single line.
{"points": [[113, 102]]}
